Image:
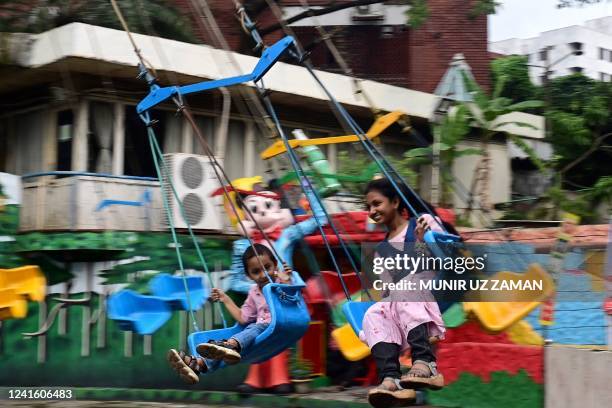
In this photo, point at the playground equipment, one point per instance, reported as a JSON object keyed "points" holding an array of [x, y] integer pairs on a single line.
{"points": [[289, 322], [138, 313], [498, 316], [27, 281], [379, 126], [12, 305], [171, 289], [146, 314], [16, 286]]}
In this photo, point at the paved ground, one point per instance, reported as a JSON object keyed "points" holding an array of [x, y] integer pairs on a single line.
{"points": [[328, 397], [111, 404]]}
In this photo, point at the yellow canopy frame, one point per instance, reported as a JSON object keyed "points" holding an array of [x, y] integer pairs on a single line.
{"points": [[375, 130]]}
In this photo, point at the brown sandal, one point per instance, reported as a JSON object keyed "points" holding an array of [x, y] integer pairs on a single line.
{"points": [[423, 375], [187, 367], [389, 394], [219, 350]]}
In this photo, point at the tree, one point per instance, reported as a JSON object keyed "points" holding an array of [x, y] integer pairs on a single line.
{"points": [[152, 17], [516, 71], [486, 113], [581, 123], [453, 129]]}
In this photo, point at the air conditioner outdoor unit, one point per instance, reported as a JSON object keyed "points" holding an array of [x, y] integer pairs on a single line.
{"points": [[369, 12], [194, 179]]}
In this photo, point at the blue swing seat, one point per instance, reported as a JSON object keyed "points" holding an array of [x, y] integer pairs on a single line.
{"points": [[289, 322], [138, 313], [172, 290], [439, 241], [354, 312]]}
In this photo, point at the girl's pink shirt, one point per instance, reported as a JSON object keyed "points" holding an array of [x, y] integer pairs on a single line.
{"points": [[390, 321]]}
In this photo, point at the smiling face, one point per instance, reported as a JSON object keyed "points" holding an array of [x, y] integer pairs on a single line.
{"points": [[380, 209], [255, 271]]}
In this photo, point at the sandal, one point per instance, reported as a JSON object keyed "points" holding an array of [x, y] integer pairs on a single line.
{"points": [[219, 350], [423, 375], [389, 393], [187, 367]]}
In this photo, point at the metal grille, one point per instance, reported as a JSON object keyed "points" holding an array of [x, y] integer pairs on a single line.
{"points": [[192, 172], [194, 209]]}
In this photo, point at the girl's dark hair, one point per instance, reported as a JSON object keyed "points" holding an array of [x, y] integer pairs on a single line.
{"points": [[384, 187], [250, 253]]}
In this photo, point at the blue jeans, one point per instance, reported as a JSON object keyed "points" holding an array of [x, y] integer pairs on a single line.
{"points": [[247, 337]]}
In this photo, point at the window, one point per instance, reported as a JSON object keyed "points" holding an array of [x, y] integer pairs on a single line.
{"points": [[100, 138], [576, 70], [235, 159], [576, 48], [138, 160], [206, 124], [551, 74], [602, 53], [544, 54], [65, 129], [605, 77]]}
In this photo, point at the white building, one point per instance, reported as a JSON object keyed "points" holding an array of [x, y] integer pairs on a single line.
{"points": [[554, 48]]}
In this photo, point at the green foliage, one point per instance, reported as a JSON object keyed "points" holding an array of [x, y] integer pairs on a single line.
{"points": [[579, 115], [9, 220], [484, 7], [418, 13], [151, 17], [602, 190], [299, 368], [486, 116], [361, 163], [450, 132], [515, 71], [504, 390], [564, 201], [583, 96], [490, 108]]}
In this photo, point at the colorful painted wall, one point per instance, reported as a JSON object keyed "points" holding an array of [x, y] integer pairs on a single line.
{"points": [[82, 347], [506, 369]]}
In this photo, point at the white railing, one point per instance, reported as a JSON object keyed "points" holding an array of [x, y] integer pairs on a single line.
{"points": [[73, 201]]}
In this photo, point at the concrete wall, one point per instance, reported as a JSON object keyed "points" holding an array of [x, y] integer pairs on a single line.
{"points": [[577, 377], [501, 173]]}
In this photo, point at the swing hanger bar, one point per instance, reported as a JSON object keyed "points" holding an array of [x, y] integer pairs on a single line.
{"points": [[158, 94], [379, 126]]}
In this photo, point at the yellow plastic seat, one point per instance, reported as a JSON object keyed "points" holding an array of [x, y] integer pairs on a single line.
{"points": [[498, 316], [12, 305], [350, 346], [26, 280]]}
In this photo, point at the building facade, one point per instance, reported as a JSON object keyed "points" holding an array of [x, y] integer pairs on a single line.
{"points": [[376, 41], [554, 49]]}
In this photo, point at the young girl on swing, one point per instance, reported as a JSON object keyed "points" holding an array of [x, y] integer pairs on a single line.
{"points": [[391, 326], [254, 313]]}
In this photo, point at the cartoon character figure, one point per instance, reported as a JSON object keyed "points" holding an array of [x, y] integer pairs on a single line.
{"points": [[279, 226]]}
